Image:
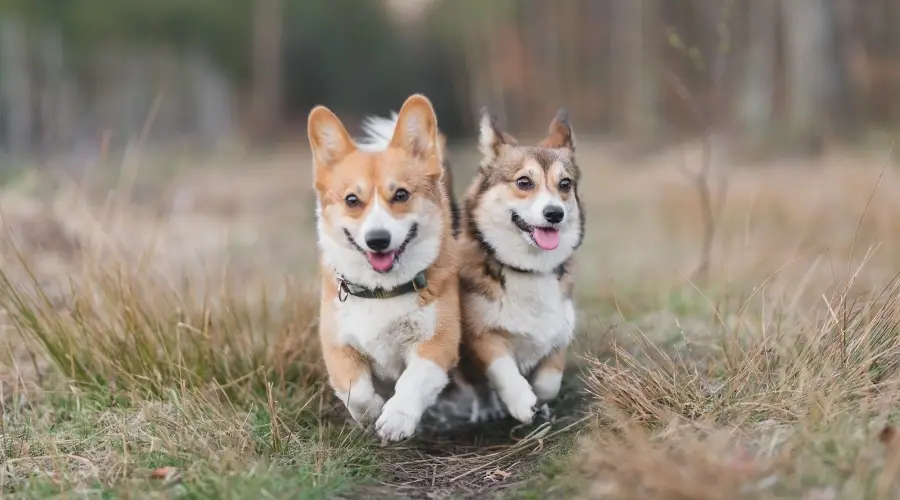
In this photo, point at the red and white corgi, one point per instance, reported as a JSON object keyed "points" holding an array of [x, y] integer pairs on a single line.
{"points": [[523, 222], [390, 325]]}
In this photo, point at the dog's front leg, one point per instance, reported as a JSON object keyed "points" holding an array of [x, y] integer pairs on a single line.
{"points": [[428, 364], [351, 378], [417, 388], [493, 353], [547, 377]]}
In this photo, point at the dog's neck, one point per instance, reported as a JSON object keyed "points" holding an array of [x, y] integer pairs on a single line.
{"points": [[347, 288]]}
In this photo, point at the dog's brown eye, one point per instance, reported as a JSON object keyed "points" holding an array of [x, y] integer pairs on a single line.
{"points": [[351, 200], [524, 183], [565, 185], [401, 195]]}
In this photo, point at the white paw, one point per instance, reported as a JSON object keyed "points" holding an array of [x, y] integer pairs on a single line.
{"points": [[396, 423], [521, 405], [365, 411]]}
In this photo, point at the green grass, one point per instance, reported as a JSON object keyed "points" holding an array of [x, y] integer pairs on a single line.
{"points": [[87, 445]]}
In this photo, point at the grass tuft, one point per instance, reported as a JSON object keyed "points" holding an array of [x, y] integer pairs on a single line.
{"points": [[125, 328], [773, 406]]}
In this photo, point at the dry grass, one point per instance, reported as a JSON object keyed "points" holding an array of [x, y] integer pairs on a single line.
{"points": [[767, 408], [163, 345]]}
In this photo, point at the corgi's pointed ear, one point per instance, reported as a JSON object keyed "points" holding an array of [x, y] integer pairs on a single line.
{"points": [[490, 137], [328, 138], [417, 131], [560, 134]]}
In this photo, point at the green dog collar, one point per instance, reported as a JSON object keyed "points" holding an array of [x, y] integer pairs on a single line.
{"points": [[345, 289]]}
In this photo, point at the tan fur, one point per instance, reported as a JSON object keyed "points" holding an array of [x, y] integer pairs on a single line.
{"points": [[443, 348], [478, 272], [482, 274], [443, 280], [567, 281], [479, 350], [411, 163], [345, 364]]}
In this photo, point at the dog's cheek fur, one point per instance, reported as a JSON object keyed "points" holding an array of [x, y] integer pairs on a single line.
{"points": [[428, 214], [432, 193], [578, 220], [444, 271], [491, 212], [334, 222]]}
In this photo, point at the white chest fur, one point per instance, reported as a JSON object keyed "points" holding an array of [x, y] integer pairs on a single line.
{"points": [[533, 310], [384, 330]]}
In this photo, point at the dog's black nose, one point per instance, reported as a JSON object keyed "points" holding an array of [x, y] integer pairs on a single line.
{"points": [[554, 214], [378, 240]]}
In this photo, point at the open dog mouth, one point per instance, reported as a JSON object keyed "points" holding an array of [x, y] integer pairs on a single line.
{"points": [[545, 237], [383, 262]]}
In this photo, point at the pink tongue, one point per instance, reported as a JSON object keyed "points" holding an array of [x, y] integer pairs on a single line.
{"points": [[381, 261], [546, 238]]}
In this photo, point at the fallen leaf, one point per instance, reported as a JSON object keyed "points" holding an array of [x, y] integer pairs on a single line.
{"points": [[497, 475], [166, 474]]}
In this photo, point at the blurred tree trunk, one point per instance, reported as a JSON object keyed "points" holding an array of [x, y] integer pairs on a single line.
{"points": [[15, 87], [55, 101], [756, 90], [212, 98], [635, 50], [477, 89], [816, 77], [846, 123], [596, 89], [552, 59], [266, 90], [892, 18], [573, 60]]}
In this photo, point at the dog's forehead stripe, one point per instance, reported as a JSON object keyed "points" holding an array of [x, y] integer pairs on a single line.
{"points": [[544, 157], [547, 158], [532, 166], [562, 169]]}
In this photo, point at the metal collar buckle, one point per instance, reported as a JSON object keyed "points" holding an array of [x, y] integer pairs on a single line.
{"points": [[343, 289]]}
